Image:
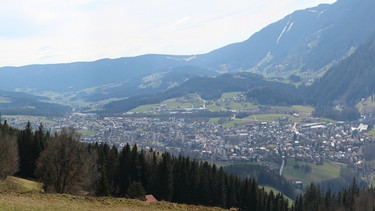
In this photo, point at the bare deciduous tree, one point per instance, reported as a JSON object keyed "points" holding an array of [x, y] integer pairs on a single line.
{"points": [[62, 166], [8, 155]]}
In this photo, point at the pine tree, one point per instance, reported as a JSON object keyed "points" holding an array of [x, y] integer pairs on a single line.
{"points": [[193, 176], [181, 182], [103, 186], [165, 177], [28, 152], [135, 166], [136, 191], [123, 175], [231, 199]]}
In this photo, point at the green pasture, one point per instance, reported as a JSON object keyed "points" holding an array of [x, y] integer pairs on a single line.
{"points": [[303, 109], [4, 100], [145, 108], [268, 189], [319, 173], [229, 95], [87, 132], [371, 132]]}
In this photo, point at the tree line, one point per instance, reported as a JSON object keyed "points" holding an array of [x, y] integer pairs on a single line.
{"points": [[350, 198], [264, 176]]}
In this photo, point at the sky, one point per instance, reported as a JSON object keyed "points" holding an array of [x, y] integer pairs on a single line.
{"points": [[60, 31]]}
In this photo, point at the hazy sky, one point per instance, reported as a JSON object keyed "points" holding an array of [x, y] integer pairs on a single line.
{"points": [[57, 31]]}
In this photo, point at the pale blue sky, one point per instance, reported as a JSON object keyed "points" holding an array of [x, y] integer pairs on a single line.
{"points": [[58, 31]]}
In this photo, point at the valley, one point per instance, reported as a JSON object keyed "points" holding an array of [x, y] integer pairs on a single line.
{"points": [[230, 130]]}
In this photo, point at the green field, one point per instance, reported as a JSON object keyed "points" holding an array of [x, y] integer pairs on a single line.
{"points": [[366, 106], [224, 103], [275, 191], [145, 108], [272, 117], [193, 101], [4, 100], [87, 132], [260, 118], [319, 173], [371, 132], [229, 95], [303, 109]]}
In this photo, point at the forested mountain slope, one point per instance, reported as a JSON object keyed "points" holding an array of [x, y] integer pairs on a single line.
{"points": [[350, 80]]}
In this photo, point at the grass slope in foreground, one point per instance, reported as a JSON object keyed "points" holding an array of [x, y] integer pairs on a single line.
{"points": [[40, 201], [21, 194]]}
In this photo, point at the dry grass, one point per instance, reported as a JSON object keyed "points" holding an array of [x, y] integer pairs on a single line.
{"points": [[40, 201], [21, 194], [15, 184]]}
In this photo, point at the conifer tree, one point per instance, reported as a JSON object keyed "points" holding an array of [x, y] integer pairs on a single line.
{"points": [[181, 182], [28, 152], [136, 191], [123, 178], [165, 177]]}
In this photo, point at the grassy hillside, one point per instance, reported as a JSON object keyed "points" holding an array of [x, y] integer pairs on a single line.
{"points": [[40, 201], [319, 173], [21, 194], [275, 191]]}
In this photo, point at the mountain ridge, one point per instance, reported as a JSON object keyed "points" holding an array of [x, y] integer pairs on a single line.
{"points": [[305, 43]]}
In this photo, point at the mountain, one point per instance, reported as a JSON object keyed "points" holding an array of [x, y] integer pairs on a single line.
{"points": [[349, 80], [305, 41], [255, 86], [21, 103], [104, 78], [80, 75]]}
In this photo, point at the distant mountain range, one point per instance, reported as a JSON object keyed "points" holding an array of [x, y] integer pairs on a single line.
{"points": [[334, 38]]}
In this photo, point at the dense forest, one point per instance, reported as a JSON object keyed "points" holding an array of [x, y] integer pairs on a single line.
{"points": [[264, 176], [65, 165], [350, 80]]}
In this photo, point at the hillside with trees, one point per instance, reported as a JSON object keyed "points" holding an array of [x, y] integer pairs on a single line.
{"points": [[256, 87], [18, 103], [334, 95], [65, 165], [350, 80]]}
